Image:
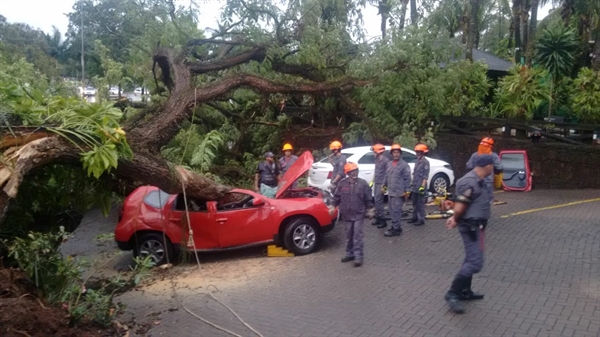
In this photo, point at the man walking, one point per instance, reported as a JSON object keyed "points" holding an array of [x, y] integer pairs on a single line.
{"points": [[353, 196], [419, 185], [486, 147], [397, 181], [471, 213], [267, 176], [381, 164]]}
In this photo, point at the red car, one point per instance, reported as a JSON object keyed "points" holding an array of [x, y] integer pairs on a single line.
{"points": [[153, 222]]}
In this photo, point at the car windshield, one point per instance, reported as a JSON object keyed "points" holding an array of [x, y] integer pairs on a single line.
{"points": [[346, 156]]}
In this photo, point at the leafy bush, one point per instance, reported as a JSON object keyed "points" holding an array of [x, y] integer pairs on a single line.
{"points": [[586, 95], [59, 280]]}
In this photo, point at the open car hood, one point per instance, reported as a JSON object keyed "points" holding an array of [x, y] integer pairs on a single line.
{"points": [[300, 167]]}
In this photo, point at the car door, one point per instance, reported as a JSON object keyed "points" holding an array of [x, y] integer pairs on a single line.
{"points": [[202, 222], [243, 218], [366, 166]]}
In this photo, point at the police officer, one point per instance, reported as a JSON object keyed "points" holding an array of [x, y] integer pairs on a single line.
{"points": [[419, 185], [353, 196], [381, 164], [338, 161], [485, 147], [471, 213], [397, 181], [267, 176]]}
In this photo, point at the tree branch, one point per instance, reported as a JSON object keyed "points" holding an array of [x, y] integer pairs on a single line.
{"points": [[256, 54], [164, 126]]}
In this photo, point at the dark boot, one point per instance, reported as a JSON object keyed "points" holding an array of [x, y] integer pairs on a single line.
{"points": [[392, 232], [453, 295], [418, 223], [377, 222], [347, 258], [413, 220], [382, 223], [358, 263], [468, 294]]}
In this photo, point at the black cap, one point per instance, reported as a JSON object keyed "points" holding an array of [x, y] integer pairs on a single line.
{"points": [[484, 160]]}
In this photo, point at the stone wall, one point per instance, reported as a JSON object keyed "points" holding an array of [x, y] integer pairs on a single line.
{"points": [[554, 165]]}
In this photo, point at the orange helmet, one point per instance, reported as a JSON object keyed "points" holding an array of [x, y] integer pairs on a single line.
{"points": [[378, 148], [422, 147], [487, 141], [349, 167], [396, 147], [288, 147], [335, 145]]}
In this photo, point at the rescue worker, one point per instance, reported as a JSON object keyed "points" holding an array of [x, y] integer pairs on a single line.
{"points": [[486, 147], [338, 161], [381, 164], [397, 181], [267, 176], [419, 185], [471, 213], [288, 159], [353, 196]]}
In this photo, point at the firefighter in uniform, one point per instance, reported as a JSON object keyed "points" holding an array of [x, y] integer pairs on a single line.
{"points": [[397, 182], [485, 147], [381, 164], [419, 185], [337, 161], [353, 196], [471, 213], [287, 161]]}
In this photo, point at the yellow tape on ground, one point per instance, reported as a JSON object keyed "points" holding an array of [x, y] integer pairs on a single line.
{"points": [[501, 191], [550, 207]]}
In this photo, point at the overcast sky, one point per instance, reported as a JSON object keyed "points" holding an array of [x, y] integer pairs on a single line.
{"points": [[44, 14]]}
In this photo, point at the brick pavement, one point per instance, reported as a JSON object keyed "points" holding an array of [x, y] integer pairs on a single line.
{"points": [[541, 278]]}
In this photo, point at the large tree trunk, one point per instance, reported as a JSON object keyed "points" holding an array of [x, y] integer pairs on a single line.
{"points": [[384, 11], [403, 10], [473, 29], [531, 32], [414, 15], [596, 52], [516, 28]]}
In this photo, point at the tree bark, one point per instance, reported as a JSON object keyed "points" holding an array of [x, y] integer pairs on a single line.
{"points": [[596, 52]]}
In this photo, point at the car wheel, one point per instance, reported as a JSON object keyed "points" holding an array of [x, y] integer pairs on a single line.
{"points": [[154, 245], [440, 182], [301, 236]]}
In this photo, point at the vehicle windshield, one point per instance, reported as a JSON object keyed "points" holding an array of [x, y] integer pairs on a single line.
{"points": [[346, 156]]}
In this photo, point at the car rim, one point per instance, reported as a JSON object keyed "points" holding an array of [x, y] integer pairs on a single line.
{"points": [[440, 185], [154, 249], [304, 236]]}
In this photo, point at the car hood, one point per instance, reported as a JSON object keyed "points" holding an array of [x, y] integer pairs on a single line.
{"points": [[294, 172]]}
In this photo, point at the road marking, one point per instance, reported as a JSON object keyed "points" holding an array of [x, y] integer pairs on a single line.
{"points": [[501, 191], [550, 207]]}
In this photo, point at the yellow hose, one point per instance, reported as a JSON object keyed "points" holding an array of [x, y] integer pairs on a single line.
{"points": [[498, 180]]}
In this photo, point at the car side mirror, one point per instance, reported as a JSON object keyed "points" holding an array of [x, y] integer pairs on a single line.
{"points": [[257, 202]]}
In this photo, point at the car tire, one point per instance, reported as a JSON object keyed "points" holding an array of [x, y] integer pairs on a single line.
{"points": [[156, 245], [439, 180], [301, 236]]}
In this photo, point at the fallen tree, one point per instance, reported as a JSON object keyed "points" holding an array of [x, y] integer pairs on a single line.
{"points": [[25, 149]]}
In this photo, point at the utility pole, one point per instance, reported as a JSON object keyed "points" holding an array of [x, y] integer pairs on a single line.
{"points": [[82, 55]]}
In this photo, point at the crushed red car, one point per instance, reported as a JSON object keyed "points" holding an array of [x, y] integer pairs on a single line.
{"points": [[154, 223]]}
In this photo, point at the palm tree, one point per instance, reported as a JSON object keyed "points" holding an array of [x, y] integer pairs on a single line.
{"points": [[556, 52]]}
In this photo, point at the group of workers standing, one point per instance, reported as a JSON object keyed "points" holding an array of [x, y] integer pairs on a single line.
{"points": [[354, 198], [474, 197]]}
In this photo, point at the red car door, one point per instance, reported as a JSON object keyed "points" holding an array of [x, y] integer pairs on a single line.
{"points": [[243, 218], [202, 223]]}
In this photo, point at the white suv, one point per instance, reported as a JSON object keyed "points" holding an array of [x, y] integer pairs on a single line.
{"points": [[441, 176]]}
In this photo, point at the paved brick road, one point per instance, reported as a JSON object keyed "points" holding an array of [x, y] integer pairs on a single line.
{"points": [[542, 278]]}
